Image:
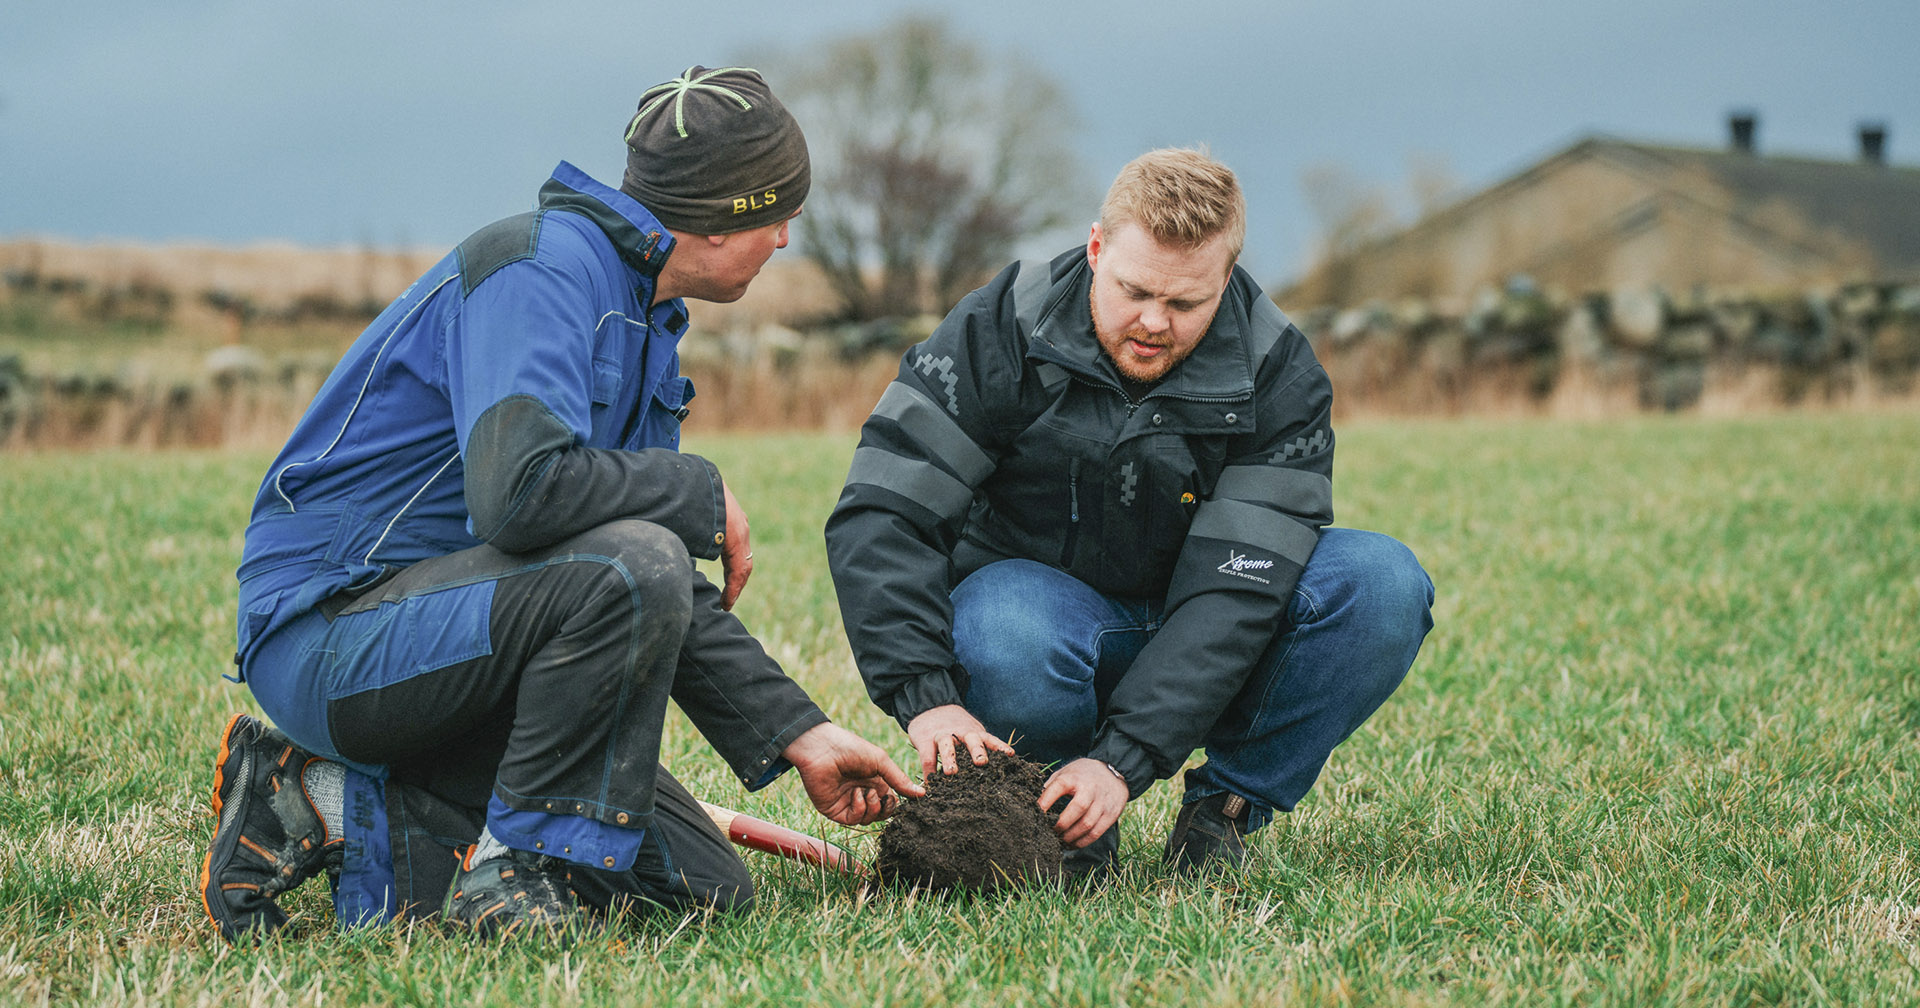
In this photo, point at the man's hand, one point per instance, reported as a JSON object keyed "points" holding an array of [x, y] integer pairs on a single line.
{"points": [[934, 731], [736, 551], [1099, 796], [850, 780]]}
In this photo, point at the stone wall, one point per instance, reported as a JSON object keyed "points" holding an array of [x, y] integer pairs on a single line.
{"points": [[1519, 351], [1523, 349]]}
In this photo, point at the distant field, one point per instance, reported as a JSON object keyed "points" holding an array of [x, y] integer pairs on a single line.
{"points": [[1660, 750]]}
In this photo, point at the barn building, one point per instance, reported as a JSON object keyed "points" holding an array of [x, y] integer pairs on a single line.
{"points": [[1609, 214]]}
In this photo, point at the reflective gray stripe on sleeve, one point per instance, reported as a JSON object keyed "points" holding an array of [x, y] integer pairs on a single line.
{"points": [[1236, 522], [1302, 491], [925, 422], [1268, 323], [1030, 292], [921, 482]]}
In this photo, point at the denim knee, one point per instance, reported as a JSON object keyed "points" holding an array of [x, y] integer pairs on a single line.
{"points": [[1030, 649], [1373, 579], [995, 641]]}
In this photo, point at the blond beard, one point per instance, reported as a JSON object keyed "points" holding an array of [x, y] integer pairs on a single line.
{"points": [[1116, 350]]}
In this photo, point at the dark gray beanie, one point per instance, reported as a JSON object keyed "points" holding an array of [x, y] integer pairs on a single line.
{"points": [[714, 152]]}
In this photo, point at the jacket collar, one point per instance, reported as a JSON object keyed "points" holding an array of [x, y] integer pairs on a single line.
{"points": [[642, 241], [1220, 367]]}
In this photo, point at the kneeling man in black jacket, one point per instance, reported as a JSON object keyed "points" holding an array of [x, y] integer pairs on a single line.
{"points": [[1090, 518]]}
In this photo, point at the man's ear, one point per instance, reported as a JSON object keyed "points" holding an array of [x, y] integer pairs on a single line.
{"points": [[1093, 244], [716, 240]]}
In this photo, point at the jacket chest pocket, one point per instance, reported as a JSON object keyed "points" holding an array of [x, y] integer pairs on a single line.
{"points": [[663, 413], [606, 379], [1167, 476], [1153, 491], [607, 374]]}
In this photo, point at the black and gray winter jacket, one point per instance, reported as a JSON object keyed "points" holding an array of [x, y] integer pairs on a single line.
{"points": [[1007, 435]]}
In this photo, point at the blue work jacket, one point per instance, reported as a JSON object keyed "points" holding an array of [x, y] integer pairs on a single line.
{"points": [[553, 307]]}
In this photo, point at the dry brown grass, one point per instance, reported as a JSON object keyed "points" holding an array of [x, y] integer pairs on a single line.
{"points": [[93, 385], [277, 275]]}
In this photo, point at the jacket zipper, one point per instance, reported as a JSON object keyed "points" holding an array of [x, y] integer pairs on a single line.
{"points": [[1212, 397], [1073, 511]]}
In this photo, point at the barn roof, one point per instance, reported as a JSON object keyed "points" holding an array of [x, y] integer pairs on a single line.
{"points": [[1876, 205]]}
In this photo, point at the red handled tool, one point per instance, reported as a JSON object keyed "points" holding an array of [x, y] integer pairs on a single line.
{"points": [[761, 835]]}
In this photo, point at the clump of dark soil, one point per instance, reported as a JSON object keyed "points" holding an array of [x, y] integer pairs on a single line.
{"points": [[981, 829]]}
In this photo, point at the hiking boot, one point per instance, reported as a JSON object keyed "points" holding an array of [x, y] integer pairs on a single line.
{"points": [[1094, 863], [1209, 835], [515, 893], [267, 835]]}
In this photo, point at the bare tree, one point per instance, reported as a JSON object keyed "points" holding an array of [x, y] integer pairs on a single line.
{"points": [[1350, 213], [1431, 183], [931, 161]]}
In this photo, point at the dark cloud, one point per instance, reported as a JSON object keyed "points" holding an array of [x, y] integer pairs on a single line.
{"points": [[361, 122]]}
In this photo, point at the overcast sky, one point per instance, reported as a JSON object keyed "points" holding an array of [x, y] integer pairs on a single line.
{"points": [[390, 123]]}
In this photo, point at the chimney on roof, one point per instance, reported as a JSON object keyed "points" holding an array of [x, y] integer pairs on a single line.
{"points": [[1741, 126], [1873, 143]]}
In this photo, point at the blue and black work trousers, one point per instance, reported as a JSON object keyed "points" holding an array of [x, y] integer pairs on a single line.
{"points": [[524, 691]]}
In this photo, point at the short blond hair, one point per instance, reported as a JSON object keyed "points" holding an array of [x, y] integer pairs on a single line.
{"points": [[1179, 197]]}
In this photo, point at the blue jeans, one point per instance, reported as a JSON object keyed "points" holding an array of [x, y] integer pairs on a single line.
{"points": [[1045, 651]]}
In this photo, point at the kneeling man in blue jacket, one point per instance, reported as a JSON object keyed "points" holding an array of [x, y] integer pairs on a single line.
{"points": [[468, 591]]}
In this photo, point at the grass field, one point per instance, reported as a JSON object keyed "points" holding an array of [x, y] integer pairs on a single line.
{"points": [[1660, 750]]}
